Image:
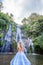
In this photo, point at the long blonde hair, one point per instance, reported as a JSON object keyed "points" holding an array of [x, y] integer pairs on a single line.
{"points": [[20, 45]]}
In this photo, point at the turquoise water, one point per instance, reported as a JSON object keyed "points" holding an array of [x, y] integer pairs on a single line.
{"points": [[34, 59]]}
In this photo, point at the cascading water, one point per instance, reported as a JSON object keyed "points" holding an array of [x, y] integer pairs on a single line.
{"points": [[7, 40], [31, 44], [18, 34], [20, 37]]}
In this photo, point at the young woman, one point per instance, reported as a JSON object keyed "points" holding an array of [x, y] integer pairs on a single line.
{"points": [[20, 58]]}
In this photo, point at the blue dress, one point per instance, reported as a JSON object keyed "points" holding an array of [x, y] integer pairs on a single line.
{"points": [[20, 59]]}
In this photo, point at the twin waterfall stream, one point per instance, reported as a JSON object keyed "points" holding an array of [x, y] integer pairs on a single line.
{"points": [[19, 37], [26, 42]]}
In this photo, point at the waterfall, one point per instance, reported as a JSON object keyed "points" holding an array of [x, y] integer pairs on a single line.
{"points": [[31, 44], [18, 34], [7, 40], [19, 37]]}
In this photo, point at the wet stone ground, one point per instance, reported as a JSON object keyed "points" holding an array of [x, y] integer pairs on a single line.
{"points": [[34, 59]]}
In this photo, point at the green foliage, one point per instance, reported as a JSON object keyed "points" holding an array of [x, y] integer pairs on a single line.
{"points": [[6, 17], [35, 29], [1, 41], [13, 26], [2, 22], [5, 22], [0, 35], [39, 41], [15, 44], [25, 21]]}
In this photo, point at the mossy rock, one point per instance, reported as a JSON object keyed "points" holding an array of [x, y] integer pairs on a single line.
{"points": [[15, 44], [1, 35]]}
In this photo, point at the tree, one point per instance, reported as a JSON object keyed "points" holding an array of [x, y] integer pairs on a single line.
{"points": [[1, 6], [35, 30], [11, 14]]}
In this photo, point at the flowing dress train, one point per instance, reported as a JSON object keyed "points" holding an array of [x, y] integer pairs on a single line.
{"points": [[20, 59]]}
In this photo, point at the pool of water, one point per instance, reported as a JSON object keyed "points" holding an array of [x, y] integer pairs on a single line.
{"points": [[34, 59]]}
